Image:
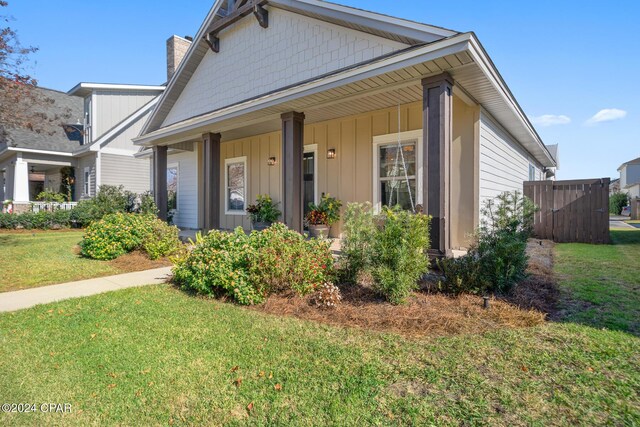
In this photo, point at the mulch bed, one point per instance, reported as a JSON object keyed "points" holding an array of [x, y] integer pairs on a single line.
{"points": [[427, 314], [138, 261]]}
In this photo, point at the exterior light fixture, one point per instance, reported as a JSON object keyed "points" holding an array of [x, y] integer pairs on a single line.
{"points": [[271, 161], [331, 153]]}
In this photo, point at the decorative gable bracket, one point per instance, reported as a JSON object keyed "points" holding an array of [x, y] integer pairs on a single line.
{"points": [[239, 10]]}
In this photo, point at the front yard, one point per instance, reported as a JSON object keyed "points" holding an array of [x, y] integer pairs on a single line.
{"points": [[159, 356], [37, 258]]}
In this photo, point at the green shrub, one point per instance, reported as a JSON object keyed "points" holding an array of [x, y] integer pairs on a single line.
{"points": [[51, 196], [283, 259], [117, 234], [498, 259], [247, 268], [42, 220], [219, 265], [109, 200], [618, 201], [399, 256], [264, 210], [359, 233], [391, 248], [163, 240]]}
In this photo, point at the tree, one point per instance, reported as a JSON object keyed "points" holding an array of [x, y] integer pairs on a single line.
{"points": [[21, 104]]}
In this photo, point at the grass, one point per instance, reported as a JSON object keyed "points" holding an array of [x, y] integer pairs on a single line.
{"points": [[600, 283], [158, 356], [44, 258], [155, 355]]}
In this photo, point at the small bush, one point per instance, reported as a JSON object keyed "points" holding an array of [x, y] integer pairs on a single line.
{"points": [[117, 234], [399, 257], [110, 200], [283, 259], [219, 265], [249, 268], [51, 196], [498, 259], [390, 248], [618, 201], [328, 296]]}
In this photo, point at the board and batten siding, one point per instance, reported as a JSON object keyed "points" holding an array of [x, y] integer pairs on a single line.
{"points": [[111, 107], [127, 171], [253, 60], [504, 164], [186, 215]]}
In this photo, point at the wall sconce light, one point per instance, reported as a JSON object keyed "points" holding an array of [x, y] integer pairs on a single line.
{"points": [[271, 161], [331, 153]]}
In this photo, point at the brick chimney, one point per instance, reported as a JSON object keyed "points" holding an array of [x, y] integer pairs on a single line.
{"points": [[176, 50]]}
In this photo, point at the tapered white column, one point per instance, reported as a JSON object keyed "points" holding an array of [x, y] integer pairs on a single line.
{"points": [[21, 180]]}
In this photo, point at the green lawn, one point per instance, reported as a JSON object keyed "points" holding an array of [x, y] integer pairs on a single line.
{"points": [[157, 356], [44, 258], [601, 283]]}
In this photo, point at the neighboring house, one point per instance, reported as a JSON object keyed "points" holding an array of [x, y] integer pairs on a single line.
{"points": [[550, 172], [614, 186], [299, 98], [630, 177], [95, 142]]}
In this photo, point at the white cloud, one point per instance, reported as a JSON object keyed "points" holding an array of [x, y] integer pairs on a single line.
{"points": [[551, 120], [606, 115]]}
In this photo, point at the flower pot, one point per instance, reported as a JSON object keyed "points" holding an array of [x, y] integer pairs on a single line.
{"points": [[319, 231], [259, 226]]}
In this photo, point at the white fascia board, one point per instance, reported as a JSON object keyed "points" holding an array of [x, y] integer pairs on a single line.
{"points": [[365, 18], [411, 57], [80, 88], [33, 151], [481, 58], [187, 58], [97, 145]]}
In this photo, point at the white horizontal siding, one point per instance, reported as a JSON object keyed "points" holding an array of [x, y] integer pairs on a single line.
{"points": [[254, 60], [88, 161], [123, 140], [187, 213], [127, 171], [504, 164]]}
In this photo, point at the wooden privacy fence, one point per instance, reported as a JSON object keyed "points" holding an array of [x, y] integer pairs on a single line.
{"points": [[571, 211]]}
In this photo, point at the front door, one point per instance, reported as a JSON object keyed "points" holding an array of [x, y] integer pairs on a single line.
{"points": [[309, 180]]}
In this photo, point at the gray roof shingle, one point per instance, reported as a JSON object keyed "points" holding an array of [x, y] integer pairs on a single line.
{"points": [[67, 109]]}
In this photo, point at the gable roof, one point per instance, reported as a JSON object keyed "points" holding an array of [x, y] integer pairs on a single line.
{"points": [[400, 30], [67, 108], [630, 162]]}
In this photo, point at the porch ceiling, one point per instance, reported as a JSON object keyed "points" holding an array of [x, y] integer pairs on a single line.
{"points": [[376, 86]]}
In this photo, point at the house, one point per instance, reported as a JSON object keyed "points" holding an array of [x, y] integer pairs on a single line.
{"points": [[92, 147], [299, 98], [630, 178], [614, 186]]}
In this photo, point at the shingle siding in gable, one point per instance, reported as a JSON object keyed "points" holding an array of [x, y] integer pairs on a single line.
{"points": [[253, 61]]}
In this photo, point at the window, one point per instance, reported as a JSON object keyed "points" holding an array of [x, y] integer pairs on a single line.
{"points": [[397, 168], [172, 187], [87, 181], [235, 184], [87, 119], [532, 172]]}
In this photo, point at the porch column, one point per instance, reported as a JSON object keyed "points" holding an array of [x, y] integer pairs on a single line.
{"points": [[211, 181], [292, 156], [160, 180], [437, 109], [21, 180]]}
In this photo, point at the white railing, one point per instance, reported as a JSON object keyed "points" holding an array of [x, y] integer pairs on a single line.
{"points": [[52, 206]]}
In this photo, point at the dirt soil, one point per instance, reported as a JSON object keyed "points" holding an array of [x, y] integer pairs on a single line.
{"points": [[427, 314], [138, 261]]}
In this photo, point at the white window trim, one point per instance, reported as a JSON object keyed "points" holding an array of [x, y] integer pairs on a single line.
{"points": [[227, 162], [87, 181], [177, 166], [313, 148], [414, 135]]}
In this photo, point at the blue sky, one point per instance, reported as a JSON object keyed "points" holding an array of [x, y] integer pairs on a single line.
{"points": [[565, 61]]}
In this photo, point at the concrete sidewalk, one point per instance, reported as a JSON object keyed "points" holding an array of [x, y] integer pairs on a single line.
{"points": [[17, 300]]}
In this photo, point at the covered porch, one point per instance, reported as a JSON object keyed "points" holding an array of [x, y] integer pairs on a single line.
{"points": [[24, 175], [422, 103]]}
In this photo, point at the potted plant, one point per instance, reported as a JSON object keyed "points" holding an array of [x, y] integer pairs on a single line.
{"points": [[263, 213], [322, 216]]}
